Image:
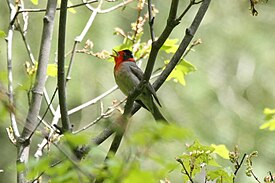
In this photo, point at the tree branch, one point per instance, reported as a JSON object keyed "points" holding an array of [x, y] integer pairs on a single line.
{"points": [[189, 34], [9, 39], [41, 70], [31, 120], [61, 82], [238, 167], [185, 170], [156, 45], [186, 40]]}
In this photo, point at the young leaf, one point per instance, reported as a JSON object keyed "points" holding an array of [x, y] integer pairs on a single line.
{"points": [[2, 34], [221, 150], [270, 125], [180, 71], [170, 46], [220, 175], [269, 119], [35, 2], [269, 113], [52, 70]]}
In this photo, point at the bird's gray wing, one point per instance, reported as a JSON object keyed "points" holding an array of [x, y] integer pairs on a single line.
{"points": [[139, 74]]}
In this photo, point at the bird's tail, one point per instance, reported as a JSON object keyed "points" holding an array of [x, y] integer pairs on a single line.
{"points": [[157, 114]]}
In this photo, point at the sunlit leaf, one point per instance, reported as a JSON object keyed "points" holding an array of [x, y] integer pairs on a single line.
{"points": [[270, 125], [221, 150], [180, 71], [36, 167], [52, 70], [197, 146], [220, 175], [269, 119], [2, 34], [35, 2], [177, 76], [213, 162], [269, 113], [170, 46]]}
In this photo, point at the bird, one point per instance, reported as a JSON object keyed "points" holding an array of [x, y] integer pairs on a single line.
{"points": [[128, 75]]}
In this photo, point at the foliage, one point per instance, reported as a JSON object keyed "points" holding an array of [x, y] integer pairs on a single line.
{"points": [[199, 162], [269, 119]]}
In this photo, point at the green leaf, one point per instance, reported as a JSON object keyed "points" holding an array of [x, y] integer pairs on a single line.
{"points": [[220, 175], [170, 46], [177, 76], [36, 167], [35, 2], [269, 113], [79, 139], [2, 34], [269, 119], [52, 70], [180, 71], [270, 125], [221, 150], [197, 147]]}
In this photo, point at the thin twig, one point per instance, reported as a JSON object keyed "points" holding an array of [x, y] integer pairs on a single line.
{"points": [[255, 177], [124, 3], [43, 9], [56, 117], [79, 168], [9, 39], [239, 166], [151, 21], [271, 177], [26, 44], [185, 170], [69, 71], [105, 114], [93, 101], [191, 3], [53, 165], [42, 118], [89, 23], [49, 101], [45, 141]]}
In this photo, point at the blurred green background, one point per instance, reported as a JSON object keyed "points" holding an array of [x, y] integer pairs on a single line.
{"points": [[222, 102]]}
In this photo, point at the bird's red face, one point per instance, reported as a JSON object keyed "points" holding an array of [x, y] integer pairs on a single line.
{"points": [[122, 56]]}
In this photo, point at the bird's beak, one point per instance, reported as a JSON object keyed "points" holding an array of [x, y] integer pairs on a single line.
{"points": [[115, 55]]}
